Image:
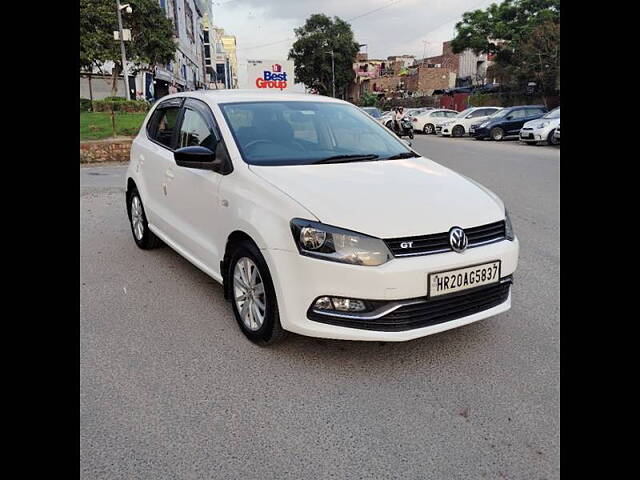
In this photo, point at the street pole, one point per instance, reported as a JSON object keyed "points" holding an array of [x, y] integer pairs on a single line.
{"points": [[333, 75], [123, 53]]}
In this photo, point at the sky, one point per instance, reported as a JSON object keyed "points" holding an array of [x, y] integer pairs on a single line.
{"points": [[264, 28]]}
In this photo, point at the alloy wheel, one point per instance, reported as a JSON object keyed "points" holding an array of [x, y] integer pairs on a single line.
{"points": [[249, 293], [137, 217]]}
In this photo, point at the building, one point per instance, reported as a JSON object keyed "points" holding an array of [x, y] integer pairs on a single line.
{"points": [[397, 76], [185, 72], [201, 59], [404, 76], [470, 69]]}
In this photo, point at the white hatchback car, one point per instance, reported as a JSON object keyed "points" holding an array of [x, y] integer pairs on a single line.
{"points": [[426, 122], [542, 129], [316, 219], [459, 126]]}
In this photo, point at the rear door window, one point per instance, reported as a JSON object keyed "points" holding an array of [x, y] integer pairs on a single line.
{"points": [[162, 126]]}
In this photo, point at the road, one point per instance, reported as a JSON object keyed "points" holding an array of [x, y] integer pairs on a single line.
{"points": [[171, 389]]}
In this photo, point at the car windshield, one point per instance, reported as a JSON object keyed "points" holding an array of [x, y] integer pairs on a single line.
{"points": [[500, 113], [555, 113], [374, 112], [301, 133]]}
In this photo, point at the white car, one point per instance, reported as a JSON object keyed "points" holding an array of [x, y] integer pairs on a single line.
{"points": [[426, 122], [542, 129], [459, 126], [315, 218]]}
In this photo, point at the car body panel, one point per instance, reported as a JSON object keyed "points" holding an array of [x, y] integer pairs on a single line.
{"points": [[465, 122]]}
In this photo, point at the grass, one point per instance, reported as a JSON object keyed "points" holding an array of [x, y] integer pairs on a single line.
{"points": [[97, 125]]}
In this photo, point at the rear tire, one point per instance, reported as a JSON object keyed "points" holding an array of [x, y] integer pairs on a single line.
{"points": [[144, 238], [428, 129], [457, 131], [260, 325], [497, 134]]}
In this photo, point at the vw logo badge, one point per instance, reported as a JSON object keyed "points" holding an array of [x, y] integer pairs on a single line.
{"points": [[458, 239]]}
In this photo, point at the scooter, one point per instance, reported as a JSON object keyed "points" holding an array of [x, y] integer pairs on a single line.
{"points": [[406, 128]]}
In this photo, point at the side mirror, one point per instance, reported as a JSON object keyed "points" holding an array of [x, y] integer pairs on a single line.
{"points": [[408, 142], [196, 157]]}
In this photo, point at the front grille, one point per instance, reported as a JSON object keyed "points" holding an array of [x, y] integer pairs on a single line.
{"points": [[439, 242], [429, 312]]}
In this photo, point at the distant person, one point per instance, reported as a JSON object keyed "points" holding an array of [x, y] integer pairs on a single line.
{"points": [[398, 118]]}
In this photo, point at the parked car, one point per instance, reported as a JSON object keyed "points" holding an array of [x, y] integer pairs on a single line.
{"points": [[307, 211], [506, 122], [541, 129], [373, 111], [426, 122], [459, 126]]}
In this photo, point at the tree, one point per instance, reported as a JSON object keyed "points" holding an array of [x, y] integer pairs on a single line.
{"points": [[312, 58], [151, 36], [369, 99], [522, 35]]}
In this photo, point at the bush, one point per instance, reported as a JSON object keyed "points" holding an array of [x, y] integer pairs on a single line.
{"points": [[85, 104], [115, 99], [131, 106]]}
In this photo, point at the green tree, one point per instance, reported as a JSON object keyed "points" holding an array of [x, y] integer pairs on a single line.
{"points": [[312, 58], [151, 42], [369, 99], [523, 36]]}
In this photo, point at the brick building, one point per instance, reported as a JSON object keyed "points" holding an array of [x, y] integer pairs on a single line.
{"points": [[470, 69]]}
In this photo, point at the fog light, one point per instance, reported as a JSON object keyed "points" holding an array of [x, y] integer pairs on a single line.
{"points": [[339, 304], [323, 303], [348, 304]]}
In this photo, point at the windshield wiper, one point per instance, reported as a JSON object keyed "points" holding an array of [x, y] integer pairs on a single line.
{"points": [[402, 155], [347, 158]]}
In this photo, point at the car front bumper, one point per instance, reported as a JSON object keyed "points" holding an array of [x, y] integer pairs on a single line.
{"points": [[299, 280], [479, 132], [534, 135]]}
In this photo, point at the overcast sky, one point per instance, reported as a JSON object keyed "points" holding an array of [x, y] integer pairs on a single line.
{"points": [[398, 27]]}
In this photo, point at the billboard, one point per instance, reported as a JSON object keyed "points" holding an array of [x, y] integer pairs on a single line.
{"points": [[270, 75]]}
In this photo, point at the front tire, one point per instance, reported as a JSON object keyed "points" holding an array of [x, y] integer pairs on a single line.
{"points": [[252, 295], [497, 134], [144, 238], [551, 139], [411, 134], [457, 131]]}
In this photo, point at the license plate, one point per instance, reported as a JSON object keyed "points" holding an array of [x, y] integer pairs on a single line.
{"points": [[450, 281], [472, 129], [527, 135]]}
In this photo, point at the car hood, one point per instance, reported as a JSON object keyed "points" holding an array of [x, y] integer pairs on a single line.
{"points": [[387, 199], [537, 121]]}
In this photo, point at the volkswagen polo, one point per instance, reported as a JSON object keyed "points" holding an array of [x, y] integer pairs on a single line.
{"points": [[316, 219]]}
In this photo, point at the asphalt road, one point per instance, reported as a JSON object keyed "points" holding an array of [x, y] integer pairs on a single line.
{"points": [[171, 389]]}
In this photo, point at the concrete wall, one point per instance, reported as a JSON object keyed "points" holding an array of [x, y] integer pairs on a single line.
{"points": [[101, 87]]}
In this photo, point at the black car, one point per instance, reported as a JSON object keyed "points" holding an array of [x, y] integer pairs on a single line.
{"points": [[506, 122]]}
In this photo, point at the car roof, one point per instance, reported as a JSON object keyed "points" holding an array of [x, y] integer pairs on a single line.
{"points": [[523, 106], [249, 95]]}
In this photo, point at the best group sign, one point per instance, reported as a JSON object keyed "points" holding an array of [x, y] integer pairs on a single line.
{"points": [[270, 74]]}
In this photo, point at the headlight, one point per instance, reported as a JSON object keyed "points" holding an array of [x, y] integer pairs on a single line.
{"points": [[335, 244], [483, 124], [508, 228], [446, 124], [542, 125]]}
